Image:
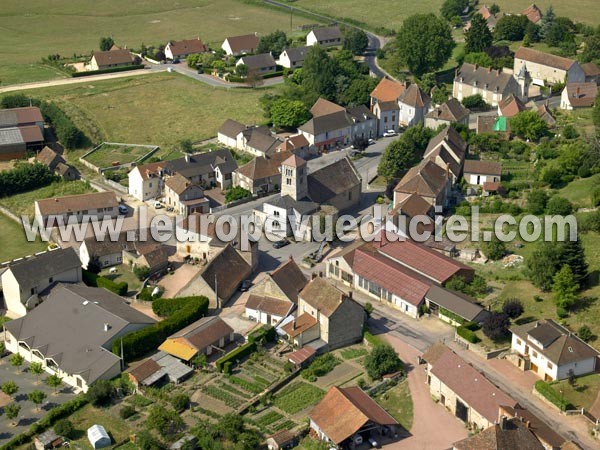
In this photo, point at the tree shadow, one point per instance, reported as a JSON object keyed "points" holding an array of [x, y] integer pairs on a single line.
{"points": [[582, 388], [593, 278], [583, 304], [524, 320], [27, 421], [5, 435], [20, 397]]}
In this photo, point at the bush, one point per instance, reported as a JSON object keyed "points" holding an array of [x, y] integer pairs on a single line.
{"points": [[236, 193], [512, 307], [559, 206], [236, 354], [368, 308], [25, 177], [264, 334], [467, 334], [101, 393], [180, 402], [126, 412], [227, 368], [180, 313], [321, 365], [381, 361], [141, 272], [474, 102], [584, 333], [68, 134], [117, 288], [64, 427], [550, 394], [111, 70], [495, 326]]}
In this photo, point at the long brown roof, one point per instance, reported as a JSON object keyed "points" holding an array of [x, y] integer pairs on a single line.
{"points": [[471, 386], [545, 59], [427, 179], [344, 411], [299, 325], [270, 305], [15, 117], [533, 13], [415, 97], [483, 167], [582, 94], [31, 133], [204, 332], [71, 203], [245, 42], [228, 269], [511, 106], [121, 56], [451, 111], [289, 278], [322, 295], [323, 107], [590, 69], [514, 434], [537, 426], [264, 166], [187, 46]]}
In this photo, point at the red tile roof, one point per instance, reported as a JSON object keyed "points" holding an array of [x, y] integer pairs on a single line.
{"points": [[270, 305], [423, 260], [471, 386], [294, 161], [533, 13], [343, 411], [511, 106], [302, 355], [390, 275], [388, 90], [187, 46], [545, 59], [31, 133], [298, 326]]}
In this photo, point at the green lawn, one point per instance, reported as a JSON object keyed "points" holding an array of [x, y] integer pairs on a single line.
{"points": [[578, 191], [583, 393], [27, 73], [155, 109], [113, 155], [577, 10], [398, 402], [36, 28], [22, 204], [87, 416], [13, 243]]}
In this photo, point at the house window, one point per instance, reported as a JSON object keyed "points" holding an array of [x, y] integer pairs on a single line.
{"points": [[149, 184], [519, 342], [534, 353], [385, 119], [276, 213], [79, 383], [288, 181], [350, 195], [550, 366]]}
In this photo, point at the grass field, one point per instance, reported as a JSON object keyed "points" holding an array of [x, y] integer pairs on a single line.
{"points": [[583, 393], [390, 13], [398, 402], [113, 155], [21, 204], [28, 73], [158, 109], [36, 28], [578, 191], [13, 243]]}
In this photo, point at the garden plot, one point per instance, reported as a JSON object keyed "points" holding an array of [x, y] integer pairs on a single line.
{"points": [[297, 397], [109, 154]]}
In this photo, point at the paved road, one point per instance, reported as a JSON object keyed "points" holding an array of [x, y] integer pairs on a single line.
{"points": [[183, 69], [375, 41]]}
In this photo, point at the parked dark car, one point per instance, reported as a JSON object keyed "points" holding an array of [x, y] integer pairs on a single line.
{"points": [[281, 243]]}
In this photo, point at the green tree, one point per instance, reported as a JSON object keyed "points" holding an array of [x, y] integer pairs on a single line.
{"points": [[199, 361], [596, 112], [495, 326], [548, 19], [560, 31], [186, 145], [552, 175], [141, 272], [165, 421], [12, 411], [452, 8], [558, 205], [355, 40], [273, 43], [572, 254], [433, 47], [101, 393], [54, 381], [478, 37], [17, 361], [510, 28], [494, 249], [10, 388], [543, 264], [591, 48], [146, 441], [36, 369], [564, 288], [479, 58], [241, 70], [37, 397], [106, 43], [494, 8], [180, 402], [536, 201], [289, 113], [64, 427], [474, 101], [236, 193], [528, 125], [381, 361], [512, 307], [584, 333], [440, 94], [318, 75], [404, 152]]}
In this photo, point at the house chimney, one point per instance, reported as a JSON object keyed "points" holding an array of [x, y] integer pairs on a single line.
{"points": [[447, 170], [503, 422], [489, 70]]}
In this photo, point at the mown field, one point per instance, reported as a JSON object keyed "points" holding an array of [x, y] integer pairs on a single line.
{"points": [[36, 28], [13, 243], [159, 109], [390, 13]]}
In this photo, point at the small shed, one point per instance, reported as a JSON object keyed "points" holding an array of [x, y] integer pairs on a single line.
{"points": [[98, 437], [282, 440], [47, 440]]}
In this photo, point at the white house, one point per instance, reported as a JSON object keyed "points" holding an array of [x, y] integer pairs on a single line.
{"points": [[384, 104], [551, 351], [181, 49], [25, 278], [71, 333], [479, 172], [413, 104], [578, 95], [293, 57], [95, 206], [325, 37], [240, 45]]}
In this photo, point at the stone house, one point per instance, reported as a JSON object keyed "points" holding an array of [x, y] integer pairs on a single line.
{"points": [[413, 105], [545, 68], [447, 113], [479, 172], [492, 84], [94, 206], [184, 196]]}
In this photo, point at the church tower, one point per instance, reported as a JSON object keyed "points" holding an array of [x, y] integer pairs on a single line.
{"points": [[523, 79], [294, 178]]}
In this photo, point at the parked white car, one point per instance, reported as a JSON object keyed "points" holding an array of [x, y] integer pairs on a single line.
{"points": [[158, 205], [389, 133]]}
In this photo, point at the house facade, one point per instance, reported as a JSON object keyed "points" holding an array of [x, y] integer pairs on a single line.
{"points": [[293, 57], [324, 37], [25, 278], [493, 85], [182, 49], [479, 172], [110, 59], [384, 104], [413, 105], [545, 68], [578, 95], [95, 206], [240, 45], [551, 351], [427, 180], [184, 196]]}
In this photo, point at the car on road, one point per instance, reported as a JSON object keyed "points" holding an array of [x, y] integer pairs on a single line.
{"points": [[123, 209], [158, 205], [245, 285], [389, 133], [371, 141], [281, 243]]}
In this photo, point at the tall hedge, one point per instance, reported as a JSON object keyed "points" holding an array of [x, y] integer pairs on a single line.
{"points": [[236, 355], [138, 343], [94, 280], [68, 134], [550, 394], [467, 334], [25, 177]]}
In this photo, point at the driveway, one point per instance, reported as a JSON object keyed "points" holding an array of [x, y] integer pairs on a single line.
{"points": [[433, 426], [30, 412], [180, 277]]}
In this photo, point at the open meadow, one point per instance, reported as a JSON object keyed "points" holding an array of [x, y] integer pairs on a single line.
{"points": [[158, 109], [37, 28], [13, 243], [390, 13]]}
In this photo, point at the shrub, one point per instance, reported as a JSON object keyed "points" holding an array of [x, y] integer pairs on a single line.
{"points": [[141, 272], [64, 427], [584, 333], [368, 308], [227, 368], [381, 361], [495, 326], [126, 412], [559, 206], [180, 402], [101, 393], [512, 307], [180, 312], [474, 102], [236, 354], [467, 334], [117, 288], [110, 70], [452, 316], [321, 365], [550, 394], [236, 193], [66, 131]]}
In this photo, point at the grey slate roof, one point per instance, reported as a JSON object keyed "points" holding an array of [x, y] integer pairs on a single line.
{"points": [[332, 180], [69, 328], [44, 265], [259, 61], [231, 128], [329, 122], [328, 33], [456, 303], [296, 53], [202, 163], [303, 206], [10, 136], [488, 79]]}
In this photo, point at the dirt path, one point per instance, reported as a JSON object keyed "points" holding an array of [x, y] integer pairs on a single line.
{"points": [[433, 427]]}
